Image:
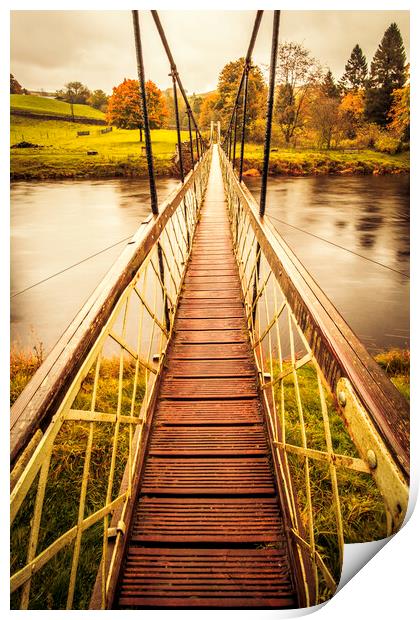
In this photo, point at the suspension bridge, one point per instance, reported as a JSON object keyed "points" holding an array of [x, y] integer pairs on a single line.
{"points": [[205, 490]]}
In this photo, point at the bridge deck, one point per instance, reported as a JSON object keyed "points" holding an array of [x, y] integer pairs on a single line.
{"points": [[207, 530]]}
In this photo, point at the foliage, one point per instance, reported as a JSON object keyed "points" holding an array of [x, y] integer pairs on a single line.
{"points": [[386, 143], [156, 106], [98, 100], [297, 72], [386, 75], [73, 92], [15, 87], [326, 119], [355, 71], [227, 89], [47, 106], [352, 107], [399, 113], [208, 111], [125, 107], [328, 86]]}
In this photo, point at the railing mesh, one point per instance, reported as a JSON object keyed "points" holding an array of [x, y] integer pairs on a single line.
{"points": [[329, 494], [72, 497]]}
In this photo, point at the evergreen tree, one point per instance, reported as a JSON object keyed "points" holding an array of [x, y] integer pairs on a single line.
{"points": [[328, 86], [355, 71], [386, 75]]}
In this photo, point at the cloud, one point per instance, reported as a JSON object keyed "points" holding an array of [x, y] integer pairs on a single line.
{"points": [[50, 48]]}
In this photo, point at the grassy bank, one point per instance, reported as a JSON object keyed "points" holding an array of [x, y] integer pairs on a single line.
{"points": [[64, 154], [361, 504], [311, 162], [45, 105], [61, 504]]}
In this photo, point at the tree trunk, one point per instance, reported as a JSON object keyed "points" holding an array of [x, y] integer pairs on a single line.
{"points": [[141, 133]]}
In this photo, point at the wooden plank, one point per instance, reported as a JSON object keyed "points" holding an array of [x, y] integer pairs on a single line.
{"points": [[220, 387], [210, 350], [211, 368], [209, 413], [208, 479]]}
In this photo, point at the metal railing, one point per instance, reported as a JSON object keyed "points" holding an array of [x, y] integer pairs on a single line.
{"points": [[80, 426], [338, 426]]}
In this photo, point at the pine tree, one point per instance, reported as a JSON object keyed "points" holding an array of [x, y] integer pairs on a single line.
{"points": [[355, 71], [328, 86], [386, 75]]}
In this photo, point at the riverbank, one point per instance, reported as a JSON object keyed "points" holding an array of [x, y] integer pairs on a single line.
{"points": [[65, 150], [59, 152], [287, 162]]}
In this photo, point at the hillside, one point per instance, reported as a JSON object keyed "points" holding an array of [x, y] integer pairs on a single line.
{"points": [[46, 106]]}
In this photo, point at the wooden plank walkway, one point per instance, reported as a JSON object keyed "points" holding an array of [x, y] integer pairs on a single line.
{"points": [[207, 531]]}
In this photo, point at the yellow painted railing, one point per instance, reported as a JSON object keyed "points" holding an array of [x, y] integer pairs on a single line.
{"points": [[338, 427], [77, 457]]}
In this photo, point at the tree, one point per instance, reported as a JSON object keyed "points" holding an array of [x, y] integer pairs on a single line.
{"points": [[386, 75], [208, 111], [156, 106], [326, 119], [98, 99], [227, 89], [15, 87], [76, 92], [196, 103], [352, 108], [285, 110], [329, 87], [399, 113], [297, 73], [355, 71], [125, 108]]}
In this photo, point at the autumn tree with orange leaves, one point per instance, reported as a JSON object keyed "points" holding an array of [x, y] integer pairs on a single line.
{"points": [[125, 110]]}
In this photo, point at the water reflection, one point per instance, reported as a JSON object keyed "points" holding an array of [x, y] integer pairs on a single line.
{"points": [[54, 225], [57, 224], [366, 215]]}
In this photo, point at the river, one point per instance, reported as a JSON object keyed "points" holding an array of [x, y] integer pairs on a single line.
{"points": [[57, 224]]}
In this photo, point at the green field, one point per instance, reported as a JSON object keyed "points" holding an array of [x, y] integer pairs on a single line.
{"points": [[44, 105], [119, 153], [64, 153]]}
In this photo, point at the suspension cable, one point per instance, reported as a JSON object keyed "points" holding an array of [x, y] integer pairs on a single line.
{"points": [[174, 69], [270, 104], [142, 85], [247, 63], [341, 247], [83, 260]]}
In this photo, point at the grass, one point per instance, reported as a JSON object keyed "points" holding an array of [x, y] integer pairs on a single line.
{"points": [[361, 503], [64, 154], [396, 364], [362, 506], [309, 162], [45, 105], [60, 508]]}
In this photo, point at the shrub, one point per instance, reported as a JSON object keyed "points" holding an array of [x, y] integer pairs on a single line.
{"points": [[387, 144]]}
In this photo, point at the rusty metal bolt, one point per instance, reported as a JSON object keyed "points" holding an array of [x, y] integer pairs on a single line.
{"points": [[342, 399], [371, 459]]}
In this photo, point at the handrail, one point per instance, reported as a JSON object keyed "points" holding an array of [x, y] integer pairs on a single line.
{"points": [[341, 354], [127, 322], [36, 404], [299, 337]]}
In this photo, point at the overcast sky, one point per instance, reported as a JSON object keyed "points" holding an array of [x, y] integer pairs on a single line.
{"points": [[50, 48]]}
